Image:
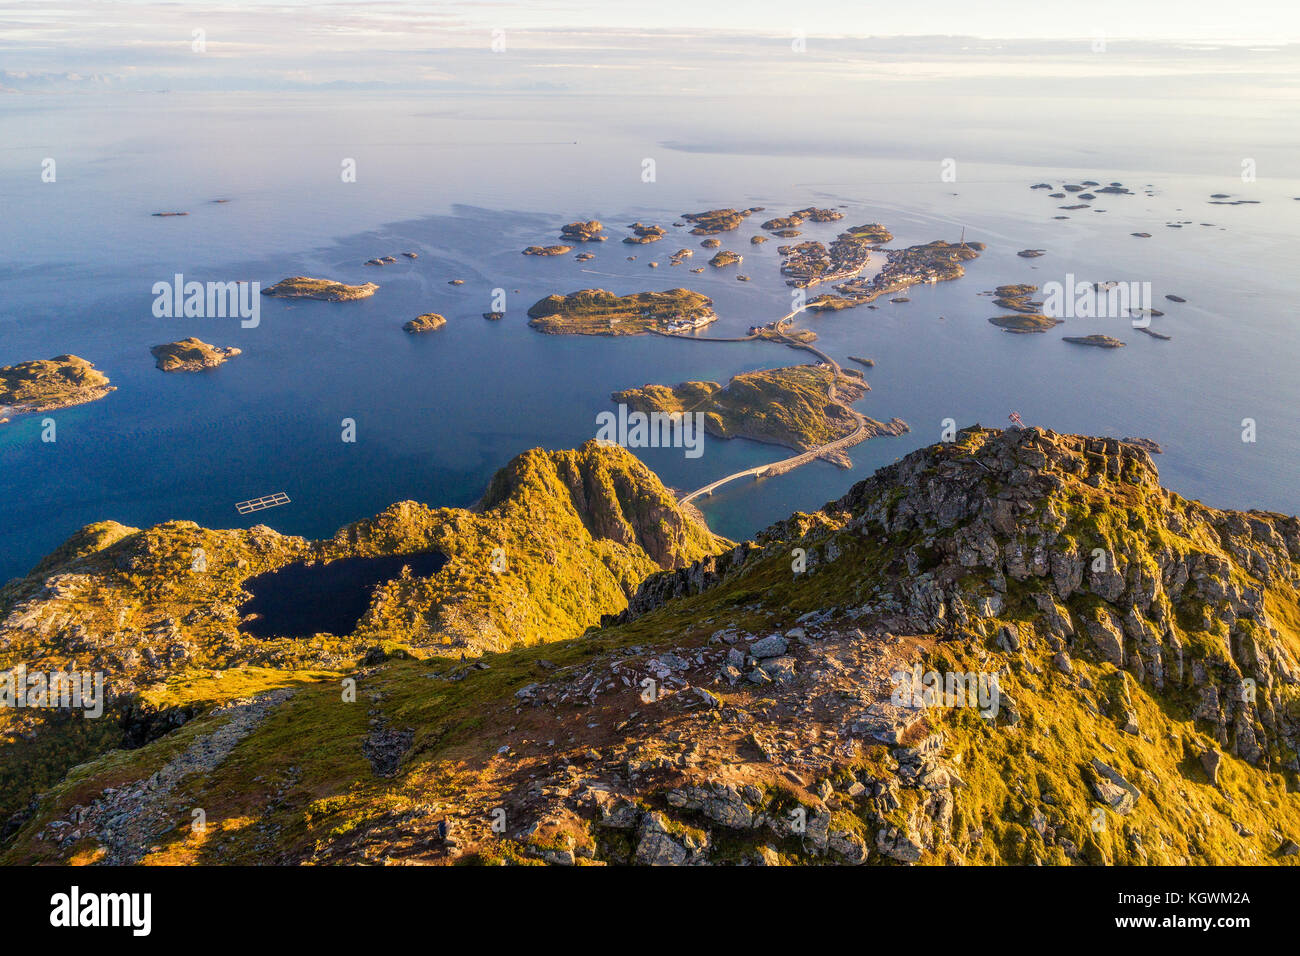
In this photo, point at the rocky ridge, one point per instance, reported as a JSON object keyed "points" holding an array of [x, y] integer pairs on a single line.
{"points": [[1134, 653]]}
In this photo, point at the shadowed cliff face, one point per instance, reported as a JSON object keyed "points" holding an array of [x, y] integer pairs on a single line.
{"points": [[1012, 648]]}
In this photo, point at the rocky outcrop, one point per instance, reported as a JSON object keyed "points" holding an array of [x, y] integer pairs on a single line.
{"points": [[660, 589], [141, 604], [643, 233], [1113, 568], [1112, 789]]}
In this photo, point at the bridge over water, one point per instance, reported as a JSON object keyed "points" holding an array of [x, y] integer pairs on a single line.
{"points": [[859, 434]]}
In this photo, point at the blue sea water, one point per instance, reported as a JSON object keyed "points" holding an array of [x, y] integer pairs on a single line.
{"points": [[468, 182]]}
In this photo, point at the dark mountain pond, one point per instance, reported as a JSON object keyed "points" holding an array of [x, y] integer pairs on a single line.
{"points": [[302, 599]]}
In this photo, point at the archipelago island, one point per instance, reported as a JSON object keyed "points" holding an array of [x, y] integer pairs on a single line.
{"points": [[47, 384], [304, 287], [598, 312], [800, 407], [190, 355]]}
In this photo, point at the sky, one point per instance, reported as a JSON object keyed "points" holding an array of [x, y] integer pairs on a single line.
{"points": [[255, 43]]}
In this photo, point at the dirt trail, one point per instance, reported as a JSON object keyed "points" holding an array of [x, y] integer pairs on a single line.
{"points": [[128, 820]]}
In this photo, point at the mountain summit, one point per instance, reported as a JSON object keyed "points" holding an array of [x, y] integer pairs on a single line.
{"points": [[1016, 647]]}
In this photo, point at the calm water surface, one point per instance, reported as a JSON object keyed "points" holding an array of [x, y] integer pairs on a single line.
{"points": [[468, 183]]}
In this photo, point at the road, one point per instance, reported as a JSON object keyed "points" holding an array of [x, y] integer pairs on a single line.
{"points": [[859, 434]]}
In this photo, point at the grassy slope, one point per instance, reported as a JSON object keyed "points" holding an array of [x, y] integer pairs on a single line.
{"points": [[784, 406], [576, 532], [65, 379]]}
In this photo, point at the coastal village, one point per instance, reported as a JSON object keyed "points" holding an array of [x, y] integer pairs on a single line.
{"points": [[931, 262], [810, 263], [689, 325]]}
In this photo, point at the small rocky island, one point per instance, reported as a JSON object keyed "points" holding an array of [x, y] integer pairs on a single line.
{"points": [[1028, 317], [547, 250], [190, 355], [1022, 324], [715, 221], [47, 384], [724, 258], [429, 322], [304, 287], [588, 231], [1018, 298], [642, 233], [598, 312], [1096, 341], [829, 302], [1089, 189], [799, 216]]}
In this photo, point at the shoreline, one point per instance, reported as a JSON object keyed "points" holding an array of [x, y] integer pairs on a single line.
{"points": [[338, 248]]}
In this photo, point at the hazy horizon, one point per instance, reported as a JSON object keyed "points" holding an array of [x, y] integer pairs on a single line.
{"points": [[71, 45]]}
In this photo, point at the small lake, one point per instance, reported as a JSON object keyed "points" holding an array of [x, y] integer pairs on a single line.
{"points": [[303, 599]]}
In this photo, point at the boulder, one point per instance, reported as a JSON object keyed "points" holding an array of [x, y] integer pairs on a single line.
{"points": [[1112, 789], [848, 846], [773, 646], [657, 847], [897, 845]]}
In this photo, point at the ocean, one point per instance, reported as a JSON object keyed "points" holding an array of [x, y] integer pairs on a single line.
{"points": [[467, 180]]}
